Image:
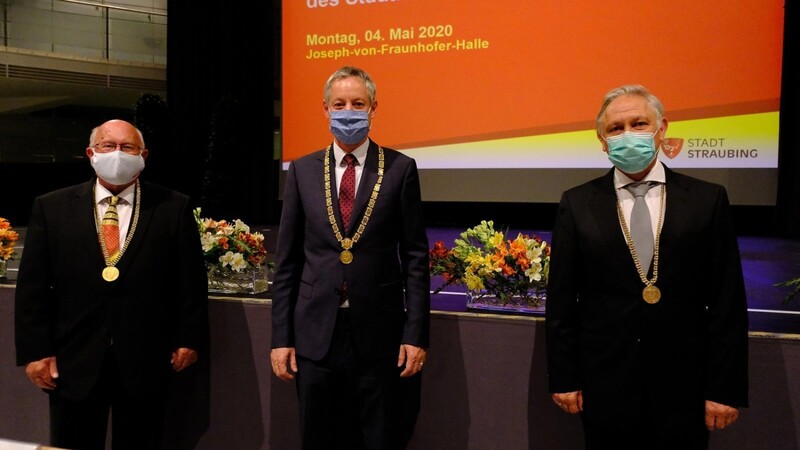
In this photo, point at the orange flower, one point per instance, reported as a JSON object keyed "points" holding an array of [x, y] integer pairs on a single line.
{"points": [[518, 246], [8, 238]]}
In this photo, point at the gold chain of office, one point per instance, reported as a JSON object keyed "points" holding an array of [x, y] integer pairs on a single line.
{"points": [[651, 294], [110, 272], [347, 243]]}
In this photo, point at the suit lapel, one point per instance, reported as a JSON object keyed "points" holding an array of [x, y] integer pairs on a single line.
{"points": [[334, 192], [139, 233], [369, 176], [604, 210], [674, 221], [83, 201]]}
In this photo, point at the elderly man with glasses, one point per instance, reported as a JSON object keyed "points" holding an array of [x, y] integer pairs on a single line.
{"points": [[111, 298]]}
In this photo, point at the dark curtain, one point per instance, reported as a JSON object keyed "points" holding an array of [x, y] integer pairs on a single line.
{"points": [[220, 85], [788, 201]]}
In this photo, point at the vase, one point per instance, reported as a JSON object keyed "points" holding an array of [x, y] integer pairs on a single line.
{"points": [[252, 280], [3, 268], [531, 303]]}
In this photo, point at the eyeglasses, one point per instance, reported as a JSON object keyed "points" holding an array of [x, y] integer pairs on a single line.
{"points": [[106, 147]]}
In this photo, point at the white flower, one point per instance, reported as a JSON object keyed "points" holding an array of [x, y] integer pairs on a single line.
{"points": [[534, 272], [241, 226], [234, 260], [535, 254], [208, 241]]}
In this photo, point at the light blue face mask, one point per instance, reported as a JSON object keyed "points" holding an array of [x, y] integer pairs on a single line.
{"points": [[631, 151], [349, 126]]}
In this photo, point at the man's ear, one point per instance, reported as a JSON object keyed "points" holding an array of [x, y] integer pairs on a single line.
{"points": [[603, 142], [326, 110], [372, 109]]}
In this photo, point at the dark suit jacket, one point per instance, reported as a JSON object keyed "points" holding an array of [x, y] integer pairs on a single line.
{"points": [[388, 280], [602, 338], [63, 306]]}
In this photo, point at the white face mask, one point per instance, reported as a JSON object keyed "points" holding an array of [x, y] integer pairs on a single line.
{"points": [[117, 167]]}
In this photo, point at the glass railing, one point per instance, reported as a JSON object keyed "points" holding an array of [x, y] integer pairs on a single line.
{"points": [[133, 31]]}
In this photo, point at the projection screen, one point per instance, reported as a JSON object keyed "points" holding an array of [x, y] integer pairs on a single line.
{"points": [[497, 101]]}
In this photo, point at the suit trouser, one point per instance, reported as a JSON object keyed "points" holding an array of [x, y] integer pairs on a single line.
{"points": [[349, 402], [649, 425], [137, 422]]}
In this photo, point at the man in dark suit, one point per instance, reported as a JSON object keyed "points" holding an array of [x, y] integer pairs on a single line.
{"points": [[651, 351], [99, 328], [351, 297]]}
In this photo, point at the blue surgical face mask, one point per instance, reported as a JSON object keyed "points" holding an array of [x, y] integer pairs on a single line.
{"points": [[349, 126], [631, 151]]}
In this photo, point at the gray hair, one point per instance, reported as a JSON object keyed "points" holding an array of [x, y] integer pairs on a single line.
{"points": [[630, 89], [347, 72]]}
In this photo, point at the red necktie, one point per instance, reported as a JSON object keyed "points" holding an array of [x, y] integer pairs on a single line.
{"points": [[347, 190], [110, 225]]}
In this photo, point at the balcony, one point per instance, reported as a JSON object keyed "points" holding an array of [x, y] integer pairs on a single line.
{"points": [[63, 56]]}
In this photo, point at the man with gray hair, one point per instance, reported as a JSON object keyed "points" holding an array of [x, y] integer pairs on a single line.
{"points": [[646, 309], [351, 294]]}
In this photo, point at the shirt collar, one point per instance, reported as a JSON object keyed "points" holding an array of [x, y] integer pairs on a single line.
{"points": [[657, 174], [101, 193], [360, 153]]}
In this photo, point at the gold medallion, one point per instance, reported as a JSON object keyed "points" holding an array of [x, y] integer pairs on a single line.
{"points": [[110, 273], [346, 257], [651, 294]]}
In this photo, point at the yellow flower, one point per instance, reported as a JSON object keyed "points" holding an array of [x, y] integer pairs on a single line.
{"points": [[496, 241], [473, 282]]}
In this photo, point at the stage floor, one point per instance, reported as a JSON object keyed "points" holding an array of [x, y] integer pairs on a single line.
{"points": [[765, 261]]}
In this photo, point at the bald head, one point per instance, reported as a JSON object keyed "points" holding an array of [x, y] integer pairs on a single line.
{"points": [[116, 127]]}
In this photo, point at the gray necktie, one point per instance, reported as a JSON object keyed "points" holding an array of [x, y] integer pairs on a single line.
{"points": [[641, 227]]}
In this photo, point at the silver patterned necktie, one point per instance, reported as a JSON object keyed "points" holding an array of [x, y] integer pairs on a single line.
{"points": [[641, 225]]}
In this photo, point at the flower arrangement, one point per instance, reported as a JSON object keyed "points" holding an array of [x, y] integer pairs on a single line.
{"points": [[488, 263], [8, 239], [230, 246]]}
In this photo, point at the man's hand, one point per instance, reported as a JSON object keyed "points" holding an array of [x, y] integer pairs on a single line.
{"points": [[43, 373], [413, 357], [183, 358], [571, 402], [283, 359], [719, 416]]}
